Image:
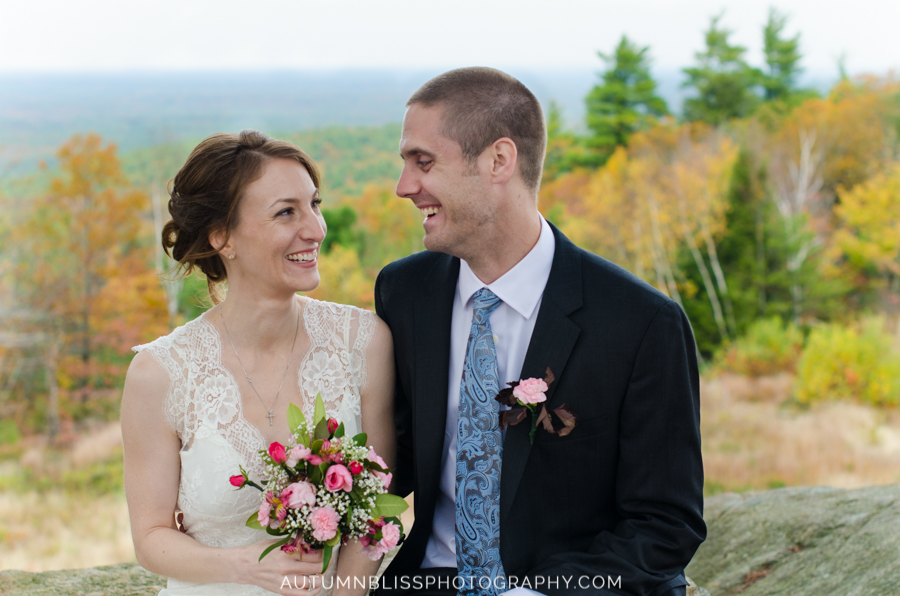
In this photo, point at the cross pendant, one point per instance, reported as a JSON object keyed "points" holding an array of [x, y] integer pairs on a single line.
{"points": [[271, 417]]}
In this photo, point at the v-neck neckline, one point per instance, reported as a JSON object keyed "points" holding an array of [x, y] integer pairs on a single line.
{"points": [[220, 363]]}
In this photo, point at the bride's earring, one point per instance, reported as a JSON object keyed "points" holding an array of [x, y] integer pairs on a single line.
{"points": [[231, 255]]}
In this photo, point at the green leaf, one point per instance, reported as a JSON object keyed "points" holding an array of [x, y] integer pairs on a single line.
{"points": [[361, 439], [320, 409], [326, 556], [316, 475], [296, 419], [388, 506], [373, 466], [274, 546], [275, 531], [317, 446], [253, 521], [335, 540], [321, 431], [340, 431]]}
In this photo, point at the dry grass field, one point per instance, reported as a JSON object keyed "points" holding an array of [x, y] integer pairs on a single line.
{"points": [[754, 437]]}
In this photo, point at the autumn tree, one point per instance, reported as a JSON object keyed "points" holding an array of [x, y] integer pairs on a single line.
{"points": [[869, 234], [83, 267]]}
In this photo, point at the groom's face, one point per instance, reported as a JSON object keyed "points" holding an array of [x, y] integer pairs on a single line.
{"points": [[449, 190]]}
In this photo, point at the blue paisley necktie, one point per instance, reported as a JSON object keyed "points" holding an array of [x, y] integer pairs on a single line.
{"points": [[478, 451]]}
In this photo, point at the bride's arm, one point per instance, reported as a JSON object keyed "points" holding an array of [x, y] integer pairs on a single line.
{"points": [[377, 405], [152, 471]]}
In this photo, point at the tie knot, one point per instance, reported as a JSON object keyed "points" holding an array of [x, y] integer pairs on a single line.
{"points": [[485, 302]]}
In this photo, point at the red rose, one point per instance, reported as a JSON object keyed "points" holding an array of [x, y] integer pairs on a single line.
{"points": [[276, 452], [332, 426], [355, 467], [238, 481]]}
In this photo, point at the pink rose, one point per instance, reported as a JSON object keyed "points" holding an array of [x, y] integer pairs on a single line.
{"points": [[324, 521], [264, 511], [355, 468], [276, 452], [390, 536], [238, 481], [338, 477], [530, 391], [386, 478], [299, 494], [296, 454]]}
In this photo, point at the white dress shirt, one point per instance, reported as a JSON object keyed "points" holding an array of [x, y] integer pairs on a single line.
{"points": [[520, 289]]}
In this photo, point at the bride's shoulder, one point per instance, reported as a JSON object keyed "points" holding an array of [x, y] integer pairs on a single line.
{"points": [[364, 325], [181, 335], [338, 311]]}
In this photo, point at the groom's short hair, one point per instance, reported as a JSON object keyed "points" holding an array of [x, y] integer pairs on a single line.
{"points": [[481, 105]]}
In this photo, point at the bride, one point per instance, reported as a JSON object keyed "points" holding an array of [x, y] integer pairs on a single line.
{"points": [[203, 400]]}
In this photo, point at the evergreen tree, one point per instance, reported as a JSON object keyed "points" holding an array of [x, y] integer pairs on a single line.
{"points": [[782, 58], [565, 150], [625, 101], [724, 82]]}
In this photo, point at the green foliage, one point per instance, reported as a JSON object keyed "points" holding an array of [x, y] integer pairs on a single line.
{"points": [[97, 478], [9, 432], [842, 362], [341, 229], [625, 101], [350, 158], [723, 81], [782, 58], [768, 347]]}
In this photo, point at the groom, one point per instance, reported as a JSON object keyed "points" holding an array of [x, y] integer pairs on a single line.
{"points": [[501, 295]]}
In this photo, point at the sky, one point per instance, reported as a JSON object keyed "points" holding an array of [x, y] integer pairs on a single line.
{"points": [[112, 35]]}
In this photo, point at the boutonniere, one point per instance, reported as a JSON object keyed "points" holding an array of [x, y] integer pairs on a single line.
{"points": [[523, 398]]}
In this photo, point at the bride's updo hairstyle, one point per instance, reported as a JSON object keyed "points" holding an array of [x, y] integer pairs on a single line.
{"points": [[206, 192]]}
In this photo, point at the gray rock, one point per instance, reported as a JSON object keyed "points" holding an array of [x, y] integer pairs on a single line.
{"points": [[127, 579], [792, 541], [802, 541]]}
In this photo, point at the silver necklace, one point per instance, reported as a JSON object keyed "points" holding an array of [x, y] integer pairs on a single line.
{"points": [[270, 415]]}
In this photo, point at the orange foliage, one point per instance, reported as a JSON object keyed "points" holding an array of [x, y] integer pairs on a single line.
{"points": [[83, 265]]}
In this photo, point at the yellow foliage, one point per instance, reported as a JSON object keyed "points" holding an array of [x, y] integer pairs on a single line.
{"points": [[637, 210], [849, 362], [870, 214], [343, 279]]}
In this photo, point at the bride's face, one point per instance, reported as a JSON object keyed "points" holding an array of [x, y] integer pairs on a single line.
{"points": [[279, 232]]}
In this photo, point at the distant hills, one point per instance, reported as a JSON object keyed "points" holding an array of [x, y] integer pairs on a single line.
{"points": [[145, 109]]}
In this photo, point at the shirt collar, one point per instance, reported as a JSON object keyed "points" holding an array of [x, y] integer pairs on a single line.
{"points": [[522, 286]]}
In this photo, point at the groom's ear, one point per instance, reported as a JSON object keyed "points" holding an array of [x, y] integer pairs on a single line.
{"points": [[503, 156]]}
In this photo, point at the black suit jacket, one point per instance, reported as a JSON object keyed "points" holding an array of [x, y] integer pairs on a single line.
{"points": [[622, 495]]}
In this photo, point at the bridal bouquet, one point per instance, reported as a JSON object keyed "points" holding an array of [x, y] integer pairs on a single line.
{"points": [[325, 489]]}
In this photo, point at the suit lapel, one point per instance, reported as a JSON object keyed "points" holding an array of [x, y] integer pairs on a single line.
{"points": [[433, 312], [551, 343]]}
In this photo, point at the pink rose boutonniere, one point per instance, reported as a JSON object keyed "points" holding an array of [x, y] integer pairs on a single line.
{"points": [[523, 398]]}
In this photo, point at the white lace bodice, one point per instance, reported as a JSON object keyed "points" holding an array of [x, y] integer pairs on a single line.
{"points": [[204, 407]]}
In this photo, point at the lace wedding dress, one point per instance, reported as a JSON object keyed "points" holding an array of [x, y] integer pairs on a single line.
{"points": [[204, 407]]}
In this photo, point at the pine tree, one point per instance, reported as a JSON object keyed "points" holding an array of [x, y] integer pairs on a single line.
{"points": [[724, 82], [782, 59], [625, 101]]}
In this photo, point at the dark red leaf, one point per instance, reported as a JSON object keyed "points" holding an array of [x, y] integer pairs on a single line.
{"points": [[506, 397], [516, 415], [545, 420], [568, 418], [549, 378]]}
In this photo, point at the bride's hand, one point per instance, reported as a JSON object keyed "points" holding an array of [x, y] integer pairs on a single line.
{"points": [[280, 572]]}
